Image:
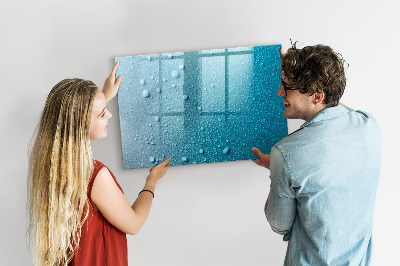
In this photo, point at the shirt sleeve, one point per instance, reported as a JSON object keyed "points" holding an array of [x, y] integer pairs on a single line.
{"points": [[281, 210]]}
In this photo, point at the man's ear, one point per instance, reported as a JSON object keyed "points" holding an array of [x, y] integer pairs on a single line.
{"points": [[318, 97]]}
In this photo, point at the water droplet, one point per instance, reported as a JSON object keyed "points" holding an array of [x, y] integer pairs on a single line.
{"points": [[151, 77], [173, 85], [142, 82], [151, 159], [164, 79], [149, 57], [175, 74], [169, 56], [201, 151], [185, 97], [158, 89], [184, 159], [226, 150], [212, 85], [157, 118], [146, 94], [181, 67]]}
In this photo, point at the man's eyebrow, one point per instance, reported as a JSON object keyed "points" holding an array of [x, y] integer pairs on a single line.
{"points": [[284, 83]]}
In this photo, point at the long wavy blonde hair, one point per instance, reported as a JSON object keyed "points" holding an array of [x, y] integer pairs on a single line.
{"points": [[60, 167]]}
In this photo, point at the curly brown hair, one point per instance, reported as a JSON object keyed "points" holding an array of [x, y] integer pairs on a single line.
{"points": [[316, 69]]}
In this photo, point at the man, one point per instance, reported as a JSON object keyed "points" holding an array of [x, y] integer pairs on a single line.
{"points": [[323, 176]]}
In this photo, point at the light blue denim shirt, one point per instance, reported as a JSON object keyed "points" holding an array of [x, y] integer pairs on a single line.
{"points": [[323, 183]]}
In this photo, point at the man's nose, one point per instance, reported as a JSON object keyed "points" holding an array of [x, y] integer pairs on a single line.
{"points": [[280, 91]]}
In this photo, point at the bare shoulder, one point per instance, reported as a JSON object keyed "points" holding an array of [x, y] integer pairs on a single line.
{"points": [[103, 185], [103, 174], [111, 202]]}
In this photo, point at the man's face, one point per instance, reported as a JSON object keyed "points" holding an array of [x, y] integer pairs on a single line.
{"points": [[297, 104]]}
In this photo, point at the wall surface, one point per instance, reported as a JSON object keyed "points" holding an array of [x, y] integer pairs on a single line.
{"points": [[207, 214]]}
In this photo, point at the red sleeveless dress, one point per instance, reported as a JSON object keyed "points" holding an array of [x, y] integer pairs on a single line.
{"points": [[101, 243]]}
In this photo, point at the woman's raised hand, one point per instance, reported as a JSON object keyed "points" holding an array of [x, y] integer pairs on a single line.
{"points": [[111, 85]]}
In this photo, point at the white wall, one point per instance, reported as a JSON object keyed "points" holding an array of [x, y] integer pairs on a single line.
{"points": [[207, 214]]}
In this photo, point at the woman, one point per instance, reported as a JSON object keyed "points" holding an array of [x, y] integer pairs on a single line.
{"points": [[78, 212]]}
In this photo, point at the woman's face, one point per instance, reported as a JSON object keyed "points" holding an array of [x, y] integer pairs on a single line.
{"points": [[100, 116]]}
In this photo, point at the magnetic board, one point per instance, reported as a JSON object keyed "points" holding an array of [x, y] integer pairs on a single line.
{"points": [[200, 106]]}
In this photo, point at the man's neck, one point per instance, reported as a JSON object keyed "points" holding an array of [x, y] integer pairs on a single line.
{"points": [[318, 108]]}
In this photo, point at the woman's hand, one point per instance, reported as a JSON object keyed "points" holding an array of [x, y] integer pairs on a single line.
{"points": [[111, 85], [158, 171]]}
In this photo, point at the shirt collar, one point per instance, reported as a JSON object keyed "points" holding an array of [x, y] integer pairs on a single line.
{"points": [[326, 114]]}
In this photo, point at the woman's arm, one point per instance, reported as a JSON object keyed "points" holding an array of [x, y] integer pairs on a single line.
{"points": [[114, 206]]}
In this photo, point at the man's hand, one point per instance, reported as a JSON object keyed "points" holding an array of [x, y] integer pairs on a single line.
{"points": [[111, 85], [263, 160], [266, 206]]}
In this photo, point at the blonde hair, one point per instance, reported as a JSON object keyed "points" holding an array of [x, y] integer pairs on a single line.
{"points": [[60, 167]]}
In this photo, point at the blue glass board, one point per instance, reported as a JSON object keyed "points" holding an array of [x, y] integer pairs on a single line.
{"points": [[200, 106]]}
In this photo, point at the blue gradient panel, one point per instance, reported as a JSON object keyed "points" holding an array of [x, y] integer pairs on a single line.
{"points": [[201, 106]]}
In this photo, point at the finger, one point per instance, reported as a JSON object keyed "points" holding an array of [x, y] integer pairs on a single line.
{"points": [[114, 70], [119, 80], [166, 161], [281, 51], [257, 152]]}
